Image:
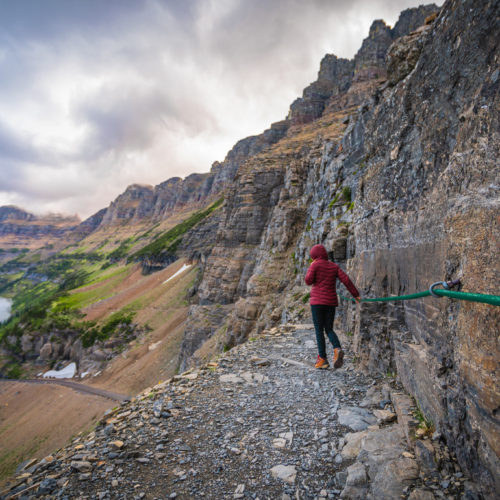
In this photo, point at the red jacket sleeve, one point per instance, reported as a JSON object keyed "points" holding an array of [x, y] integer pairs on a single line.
{"points": [[348, 283], [309, 279]]}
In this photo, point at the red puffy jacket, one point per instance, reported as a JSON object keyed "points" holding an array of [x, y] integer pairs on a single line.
{"points": [[322, 275]]}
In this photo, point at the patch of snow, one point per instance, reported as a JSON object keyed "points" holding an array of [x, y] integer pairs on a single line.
{"points": [[152, 347], [84, 374], [98, 373], [67, 372], [5, 306], [181, 270]]}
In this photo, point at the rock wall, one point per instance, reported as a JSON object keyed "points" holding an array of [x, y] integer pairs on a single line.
{"points": [[421, 159], [267, 201], [405, 193]]}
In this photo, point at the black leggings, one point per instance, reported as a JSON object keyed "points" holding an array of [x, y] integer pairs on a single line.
{"points": [[323, 317]]}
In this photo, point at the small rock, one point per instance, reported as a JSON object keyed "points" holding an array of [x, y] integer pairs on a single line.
{"points": [[384, 416], [286, 473], [279, 443], [239, 492], [356, 475], [357, 419], [47, 486], [117, 444], [110, 428], [230, 378], [81, 465], [420, 494], [157, 408]]}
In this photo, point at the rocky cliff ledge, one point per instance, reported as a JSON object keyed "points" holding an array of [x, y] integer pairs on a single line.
{"points": [[404, 188], [21, 229]]}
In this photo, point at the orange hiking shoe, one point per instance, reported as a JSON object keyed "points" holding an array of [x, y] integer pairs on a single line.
{"points": [[338, 358], [321, 363]]}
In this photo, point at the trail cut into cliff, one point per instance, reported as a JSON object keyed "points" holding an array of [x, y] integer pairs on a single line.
{"points": [[258, 422]]}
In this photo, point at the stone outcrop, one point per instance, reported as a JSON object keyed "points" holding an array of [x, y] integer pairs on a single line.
{"points": [[58, 347], [337, 77], [143, 203], [334, 77], [223, 173], [139, 203]]}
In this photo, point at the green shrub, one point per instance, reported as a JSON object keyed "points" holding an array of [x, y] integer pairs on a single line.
{"points": [[169, 241], [335, 199], [14, 371], [346, 193]]}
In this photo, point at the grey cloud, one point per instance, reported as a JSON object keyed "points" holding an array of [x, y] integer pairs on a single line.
{"points": [[48, 19], [14, 148], [131, 119]]}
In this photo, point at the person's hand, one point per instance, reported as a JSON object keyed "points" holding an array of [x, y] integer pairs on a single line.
{"points": [[357, 299]]}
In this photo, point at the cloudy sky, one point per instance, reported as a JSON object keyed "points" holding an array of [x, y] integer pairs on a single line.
{"points": [[99, 94]]}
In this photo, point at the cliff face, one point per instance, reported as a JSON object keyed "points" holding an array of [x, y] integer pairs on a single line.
{"points": [[426, 209], [404, 189], [343, 77], [267, 202], [421, 159]]}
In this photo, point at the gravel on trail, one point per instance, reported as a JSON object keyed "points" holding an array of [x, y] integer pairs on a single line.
{"points": [[259, 423]]}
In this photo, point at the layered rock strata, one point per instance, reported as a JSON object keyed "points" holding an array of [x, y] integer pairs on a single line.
{"points": [[408, 196], [340, 76], [421, 161], [266, 204], [19, 228], [141, 203]]}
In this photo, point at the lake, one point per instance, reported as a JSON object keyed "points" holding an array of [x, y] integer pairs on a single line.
{"points": [[5, 305]]}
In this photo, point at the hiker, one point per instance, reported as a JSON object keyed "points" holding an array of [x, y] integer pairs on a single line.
{"points": [[322, 275]]}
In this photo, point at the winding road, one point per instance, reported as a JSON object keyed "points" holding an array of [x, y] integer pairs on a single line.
{"points": [[85, 389]]}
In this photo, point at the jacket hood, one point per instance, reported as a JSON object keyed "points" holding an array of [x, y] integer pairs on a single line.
{"points": [[318, 252]]}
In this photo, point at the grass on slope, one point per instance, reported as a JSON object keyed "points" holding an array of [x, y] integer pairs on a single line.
{"points": [[99, 286], [169, 241]]}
